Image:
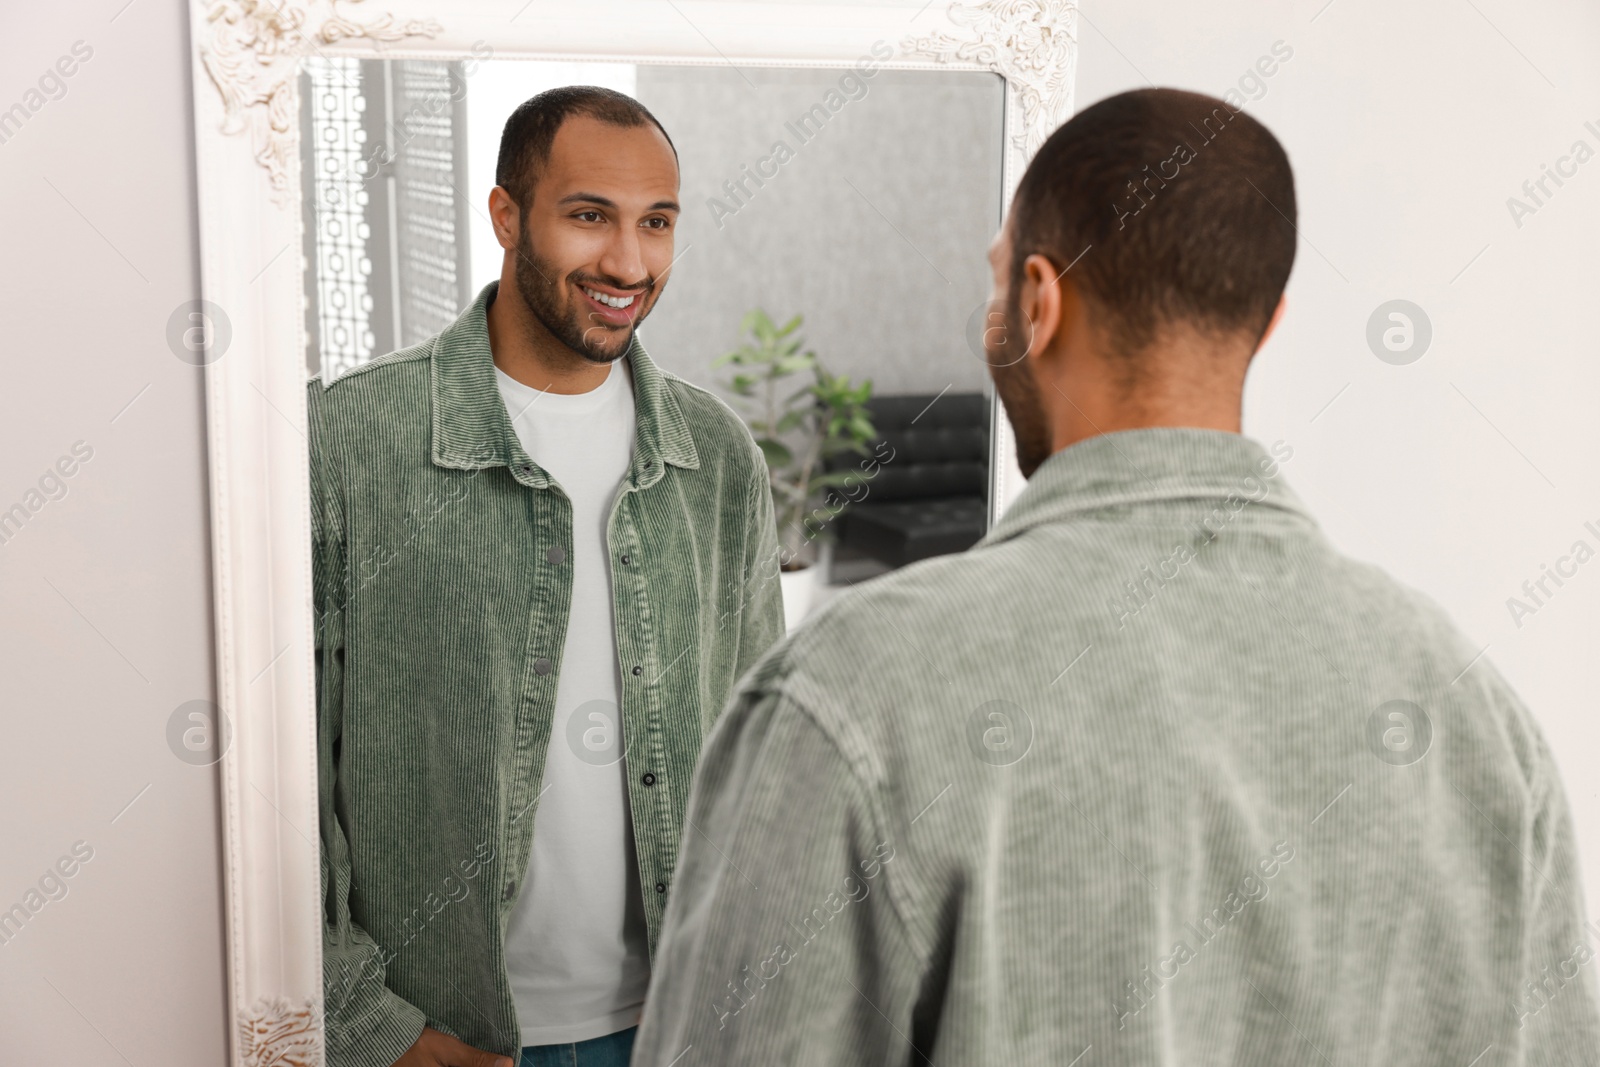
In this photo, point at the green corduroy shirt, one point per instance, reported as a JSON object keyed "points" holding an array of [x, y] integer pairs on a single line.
{"points": [[1152, 775], [442, 580]]}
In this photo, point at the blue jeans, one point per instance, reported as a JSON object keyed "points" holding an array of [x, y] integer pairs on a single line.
{"points": [[612, 1050]]}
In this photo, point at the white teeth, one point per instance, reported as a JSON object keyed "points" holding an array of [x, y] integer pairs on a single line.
{"points": [[609, 301]]}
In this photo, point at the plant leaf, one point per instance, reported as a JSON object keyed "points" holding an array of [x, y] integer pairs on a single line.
{"points": [[776, 452]]}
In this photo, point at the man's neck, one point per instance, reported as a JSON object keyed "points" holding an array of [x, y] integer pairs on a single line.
{"points": [[1081, 425], [530, 353], [1198, 391]]}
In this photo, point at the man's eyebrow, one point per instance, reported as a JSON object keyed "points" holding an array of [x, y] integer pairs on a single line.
{"points": [[593, 198], [607, 202]]}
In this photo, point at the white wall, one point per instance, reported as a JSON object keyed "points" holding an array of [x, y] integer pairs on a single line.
{"points": [[1409, 125], [105, 625]]}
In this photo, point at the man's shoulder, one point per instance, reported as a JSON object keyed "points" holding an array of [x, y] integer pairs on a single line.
{"points": [[394, 371], [1409, 625], [1396, 616], [384, 389], [949, 597], [705, 410], [713, 424], [899, 633]]}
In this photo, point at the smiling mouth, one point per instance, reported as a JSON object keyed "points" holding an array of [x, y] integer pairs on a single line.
{"points": [[614, 308]]}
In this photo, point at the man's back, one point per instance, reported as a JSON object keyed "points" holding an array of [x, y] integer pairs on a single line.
{"points": [[1153, 775]]}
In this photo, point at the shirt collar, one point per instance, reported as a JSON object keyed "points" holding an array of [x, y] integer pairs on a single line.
{"points": [[1134, 466], [472, 430]]}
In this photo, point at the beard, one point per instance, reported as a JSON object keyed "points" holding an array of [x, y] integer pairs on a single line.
{"points": [[1018, 388], [550, 302]]}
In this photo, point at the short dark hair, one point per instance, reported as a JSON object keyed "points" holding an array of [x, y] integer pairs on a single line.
{"points": [[1181, 208], [531, 130]]}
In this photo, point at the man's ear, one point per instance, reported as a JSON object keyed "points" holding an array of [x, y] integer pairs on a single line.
{"points": [[1043, 302], [504, 216]]}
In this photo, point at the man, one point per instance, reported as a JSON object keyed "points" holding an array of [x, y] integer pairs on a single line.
{"points": [[1152, 774], [541, 563]]}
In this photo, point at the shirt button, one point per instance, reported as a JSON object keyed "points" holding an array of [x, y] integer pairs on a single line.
{"points": [[626, 559], [541, 666], [638, 670], [661, 887], [557, 554], [648, 779]]}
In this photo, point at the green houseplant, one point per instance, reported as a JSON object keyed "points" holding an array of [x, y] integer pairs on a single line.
{"points": [[798, 430]]}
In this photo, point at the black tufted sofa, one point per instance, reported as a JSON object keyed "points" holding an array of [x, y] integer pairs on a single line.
{"points": [[929, 496]]}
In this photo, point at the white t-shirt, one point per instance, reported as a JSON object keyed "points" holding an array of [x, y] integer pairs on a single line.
{"points": [[577, 947]]}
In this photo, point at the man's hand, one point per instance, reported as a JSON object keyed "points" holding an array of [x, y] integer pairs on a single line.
{"points": [[435, 1049]]}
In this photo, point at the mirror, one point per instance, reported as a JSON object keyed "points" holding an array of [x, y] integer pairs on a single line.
{"points": [[366, 136], [808, 194]]}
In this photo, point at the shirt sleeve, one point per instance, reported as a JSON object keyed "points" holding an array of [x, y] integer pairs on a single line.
{"points": [[367, 1024], [761, 601], [1556, 1006], [782, 941]]}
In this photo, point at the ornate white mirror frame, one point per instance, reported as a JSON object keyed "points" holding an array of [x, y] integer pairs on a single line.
{"points": [[246, 57]]}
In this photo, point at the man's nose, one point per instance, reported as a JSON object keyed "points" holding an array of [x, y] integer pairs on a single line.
{"points": [[623, 258]]}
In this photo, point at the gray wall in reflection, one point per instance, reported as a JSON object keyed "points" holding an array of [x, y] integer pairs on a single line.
{"points": [[876, 230]]}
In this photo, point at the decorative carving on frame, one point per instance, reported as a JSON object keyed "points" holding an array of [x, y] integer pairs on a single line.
{"points": [[276, 1033], [1031, 43], [252, 56]]}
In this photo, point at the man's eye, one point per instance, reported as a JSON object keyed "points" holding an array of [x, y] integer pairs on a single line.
{"points": [[588, 216], [657, 223]]}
